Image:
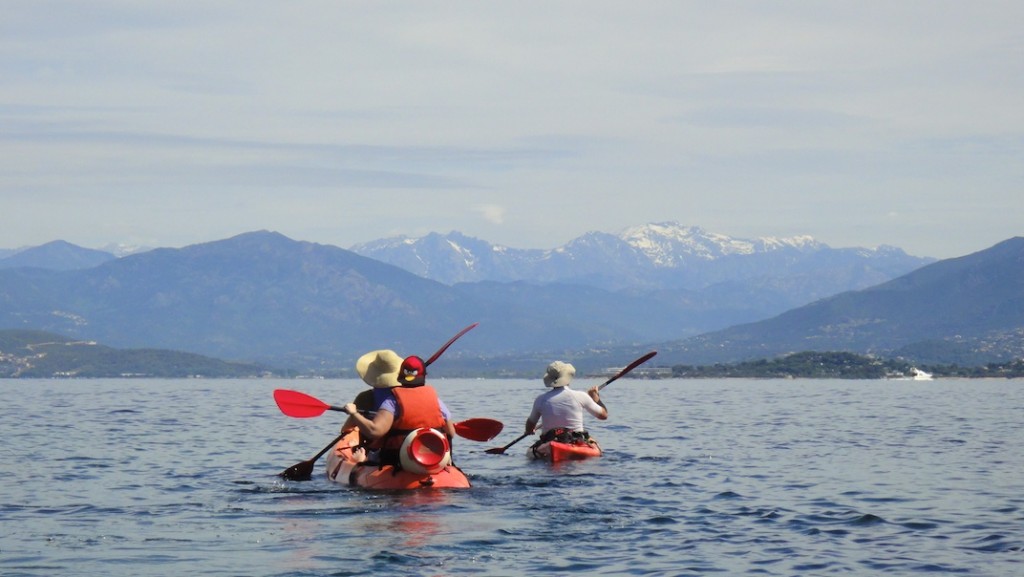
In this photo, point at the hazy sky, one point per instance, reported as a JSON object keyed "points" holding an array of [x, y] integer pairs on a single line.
{"points": [[522, 123]]}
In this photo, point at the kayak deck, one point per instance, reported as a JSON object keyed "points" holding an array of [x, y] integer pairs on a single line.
{"points": [[555, 451], [346, 464]]}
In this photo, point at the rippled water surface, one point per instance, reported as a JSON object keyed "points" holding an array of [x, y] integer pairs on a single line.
{"points": [[730, 477]]}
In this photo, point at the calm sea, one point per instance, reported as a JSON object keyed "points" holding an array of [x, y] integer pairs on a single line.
{"points": [[725, 477]]}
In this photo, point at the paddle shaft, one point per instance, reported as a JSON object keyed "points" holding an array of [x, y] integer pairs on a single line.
{"points": [[441, 350], [303, 471], [328, 447], [628, 368], [501, 450]]}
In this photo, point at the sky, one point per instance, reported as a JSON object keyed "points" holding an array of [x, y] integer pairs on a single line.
{"points": [[526, 124]]}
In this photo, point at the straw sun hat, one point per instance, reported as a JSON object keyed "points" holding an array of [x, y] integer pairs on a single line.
{"points": [[379, 369]]}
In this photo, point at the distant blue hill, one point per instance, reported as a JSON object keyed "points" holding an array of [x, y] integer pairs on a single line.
{"points": [[37, 354], [57, 255], [966, 310], [258, 296]]}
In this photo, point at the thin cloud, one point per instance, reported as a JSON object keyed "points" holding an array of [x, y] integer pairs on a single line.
{"points": [[492, 213]]}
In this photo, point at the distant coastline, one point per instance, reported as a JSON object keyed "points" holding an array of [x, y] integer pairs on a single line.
{"points": [[28, 354]]}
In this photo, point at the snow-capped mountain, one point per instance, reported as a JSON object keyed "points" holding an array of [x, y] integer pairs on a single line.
{"points": [[654, 256], [123, 249], [669, 244]]}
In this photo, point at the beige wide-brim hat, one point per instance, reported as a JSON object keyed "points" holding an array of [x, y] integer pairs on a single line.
{"points": [[559, 374], [379, 369]]}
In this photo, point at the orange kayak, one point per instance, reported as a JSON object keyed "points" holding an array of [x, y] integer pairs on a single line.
{"points": [[555, 452], [348, 466]]}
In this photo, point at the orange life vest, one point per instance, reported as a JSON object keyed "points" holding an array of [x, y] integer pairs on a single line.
{"points": [[418, 407]]}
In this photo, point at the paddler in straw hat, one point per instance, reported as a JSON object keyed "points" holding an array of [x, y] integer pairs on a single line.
{"points": [[412, 406], [379, 369]]}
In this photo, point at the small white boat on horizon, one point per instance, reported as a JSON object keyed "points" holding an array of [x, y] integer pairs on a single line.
{"points": [[919, 375]]}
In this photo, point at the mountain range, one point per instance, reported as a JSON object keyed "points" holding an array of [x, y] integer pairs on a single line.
{"points": [[696, 297], [967, 310], [777, 273]]}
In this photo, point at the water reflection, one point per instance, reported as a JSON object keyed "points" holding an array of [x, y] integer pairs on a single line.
{"points": [[409, 521]]}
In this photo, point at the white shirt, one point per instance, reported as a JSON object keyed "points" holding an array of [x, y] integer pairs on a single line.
{"points": [[563, 407]]}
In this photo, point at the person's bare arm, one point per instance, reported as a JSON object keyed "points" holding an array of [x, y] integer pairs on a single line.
{"points": [[374, 429], [595, 394], [530, 427]]}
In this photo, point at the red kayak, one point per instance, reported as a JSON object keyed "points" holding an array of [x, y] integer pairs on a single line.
{"points": [[426, 458], [555, 452]]}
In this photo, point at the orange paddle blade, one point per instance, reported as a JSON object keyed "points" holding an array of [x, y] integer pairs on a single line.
{"points": [[478, 429]]}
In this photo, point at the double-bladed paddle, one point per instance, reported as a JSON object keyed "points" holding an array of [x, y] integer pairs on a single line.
{"points": [[629, 367], [303, 406]]}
